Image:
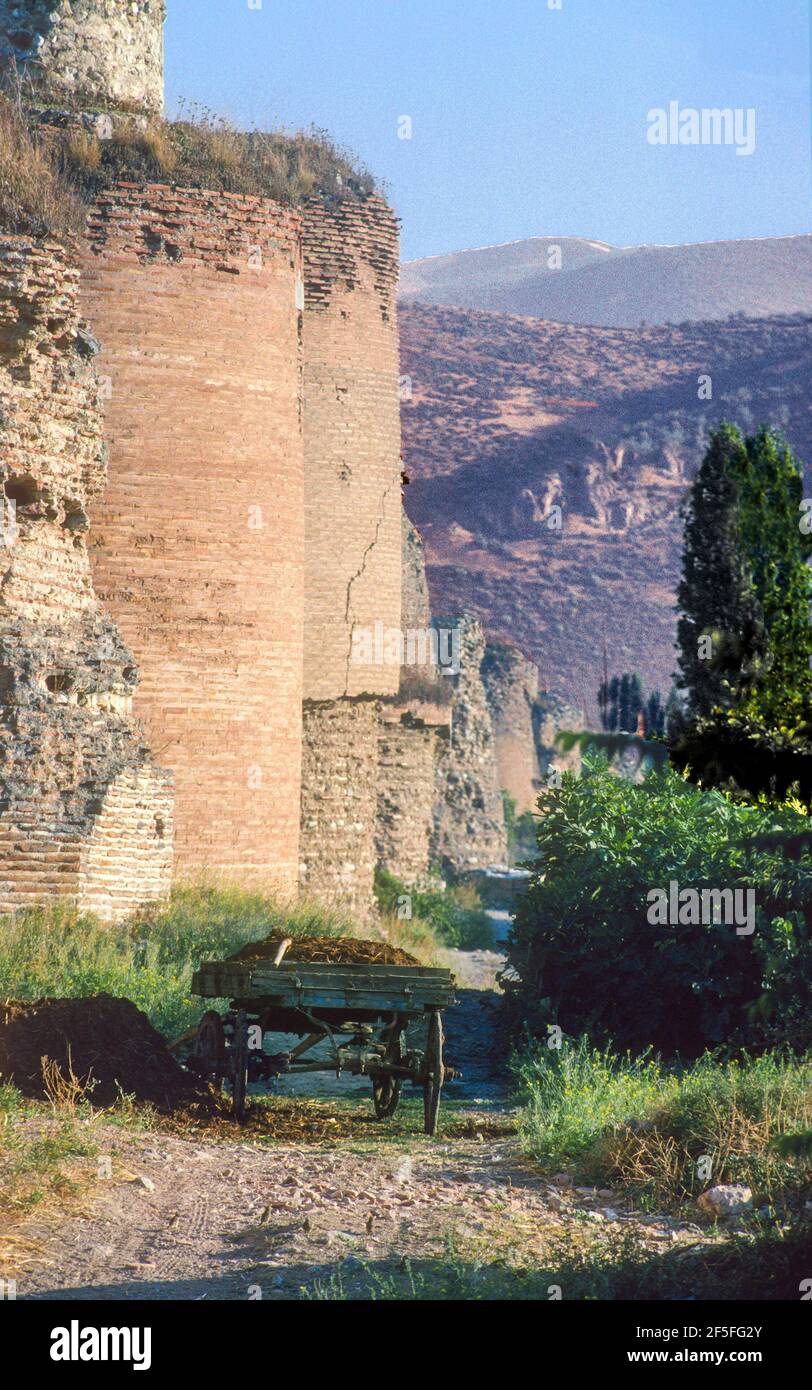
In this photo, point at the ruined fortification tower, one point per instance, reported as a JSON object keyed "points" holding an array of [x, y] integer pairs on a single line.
{"points": [[84, 53], [352, 532], [199, 545], [84, 813], [512, 687]]}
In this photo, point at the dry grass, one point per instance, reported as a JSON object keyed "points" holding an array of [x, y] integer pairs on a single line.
{"points": [[203, 151], [65, 1091], [43, 1167], [34, 199], [739, 1144], [84, 150], [47, 182]]}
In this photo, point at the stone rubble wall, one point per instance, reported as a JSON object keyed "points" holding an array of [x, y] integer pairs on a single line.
{"points": [[551, 716], [198, 550], [511, 687], [339, 803], [68, 740], [469, 821], [415, 603], [408, 749], [413, 725], [84, 52]]}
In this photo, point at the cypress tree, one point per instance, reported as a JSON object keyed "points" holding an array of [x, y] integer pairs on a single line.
{"points": [[721, 630], [777, 550]]}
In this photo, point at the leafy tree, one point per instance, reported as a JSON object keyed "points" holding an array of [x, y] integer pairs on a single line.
{"points": [[777, 550]]}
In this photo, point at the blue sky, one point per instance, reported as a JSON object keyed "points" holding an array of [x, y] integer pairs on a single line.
{"points": [[526, 121]]}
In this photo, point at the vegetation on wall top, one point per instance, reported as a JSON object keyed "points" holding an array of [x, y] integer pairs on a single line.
{"points": [[48, 175]]}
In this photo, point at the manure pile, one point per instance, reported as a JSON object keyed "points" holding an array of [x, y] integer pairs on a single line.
{"points": [[325, 950], [101, 1039]]}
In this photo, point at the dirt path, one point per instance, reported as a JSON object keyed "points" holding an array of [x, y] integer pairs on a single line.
{"points": [[244, 1214], [191, 1220]]}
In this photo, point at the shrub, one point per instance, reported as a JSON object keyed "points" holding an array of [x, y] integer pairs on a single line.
{"points": [[589, 959], [455, 915]]}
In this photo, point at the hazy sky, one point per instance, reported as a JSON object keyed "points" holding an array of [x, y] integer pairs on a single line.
{"points": [[526, 120]]}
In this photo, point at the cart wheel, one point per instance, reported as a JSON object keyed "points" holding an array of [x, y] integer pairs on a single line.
{"points": [[433, 1072], [386, 1088], [210, 1049], [239, 1079]]}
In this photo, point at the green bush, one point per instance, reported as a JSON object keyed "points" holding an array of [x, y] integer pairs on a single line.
{"points": [[589, 959], [455, 915]]}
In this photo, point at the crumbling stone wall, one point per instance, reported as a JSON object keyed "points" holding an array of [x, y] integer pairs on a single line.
{"points": [[415, 603], [199, 546], [407, 761], [84, 52], [339, 802], [84, 813], [469, 822], [511, 687], [413, 724], [551, 716]]}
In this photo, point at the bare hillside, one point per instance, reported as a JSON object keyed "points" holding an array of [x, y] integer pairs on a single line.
{"points": [[512, 418]]}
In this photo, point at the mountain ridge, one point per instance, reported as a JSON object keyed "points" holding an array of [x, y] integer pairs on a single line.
{"points": [[594, 283]]}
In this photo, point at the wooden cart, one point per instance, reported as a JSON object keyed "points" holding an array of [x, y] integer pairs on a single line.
{"points": [[361, 1011]]}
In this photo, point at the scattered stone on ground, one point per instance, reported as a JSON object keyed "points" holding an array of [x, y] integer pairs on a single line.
{"points": [[728, 1199], [181, 1218]]}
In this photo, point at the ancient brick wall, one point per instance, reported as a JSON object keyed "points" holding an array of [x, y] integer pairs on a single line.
{"points": [[352, 442], [85, 52], [84, 814], [198, 551], [352, 532], [511, 686], [339, 802]]}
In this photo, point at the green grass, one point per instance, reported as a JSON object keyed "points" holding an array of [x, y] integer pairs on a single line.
{"points": [[764, 1265], [630, 1122], [59, 952]]}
